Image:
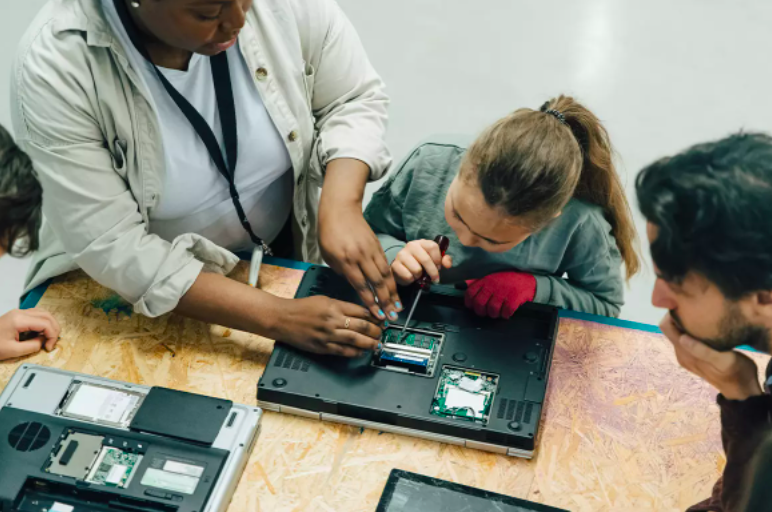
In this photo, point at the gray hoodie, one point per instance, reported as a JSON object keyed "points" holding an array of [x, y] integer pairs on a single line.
{"points": [[575, 258]]}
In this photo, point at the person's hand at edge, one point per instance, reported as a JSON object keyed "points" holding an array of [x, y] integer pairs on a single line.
{"points": [[25, 332], [732, 373]]}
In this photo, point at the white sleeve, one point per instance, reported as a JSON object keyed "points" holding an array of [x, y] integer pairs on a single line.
{"points": [[349, 102], [89, 206]]}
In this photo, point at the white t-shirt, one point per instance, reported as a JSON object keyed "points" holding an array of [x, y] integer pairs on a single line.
{"points": [[195, 197]]}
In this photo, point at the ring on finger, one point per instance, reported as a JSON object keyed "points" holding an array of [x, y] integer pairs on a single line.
{"points": [[348, 323]]}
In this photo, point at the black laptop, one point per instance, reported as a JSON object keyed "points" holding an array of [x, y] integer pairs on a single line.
{"points": [[453, 377], [410, 492]]}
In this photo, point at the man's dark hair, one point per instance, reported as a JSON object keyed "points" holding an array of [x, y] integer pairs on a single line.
{"points": [[20, 199], [712, 205]]}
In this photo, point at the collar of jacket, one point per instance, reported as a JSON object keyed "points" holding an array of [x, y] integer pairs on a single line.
{"points": [[84, 16]]}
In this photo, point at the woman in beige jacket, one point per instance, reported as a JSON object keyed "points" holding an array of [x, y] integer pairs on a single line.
{"points": [[143, 195]]}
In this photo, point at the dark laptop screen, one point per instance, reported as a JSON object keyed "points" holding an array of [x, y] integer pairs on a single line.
{"points": [[409, 492]]}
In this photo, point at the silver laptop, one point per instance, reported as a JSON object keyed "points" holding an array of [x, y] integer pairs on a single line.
{"points": [[73, 443]]}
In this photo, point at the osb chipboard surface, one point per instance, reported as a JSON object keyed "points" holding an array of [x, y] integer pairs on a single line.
{"points": [[624, 429]]}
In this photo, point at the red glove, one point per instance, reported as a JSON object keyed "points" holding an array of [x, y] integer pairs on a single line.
{"points": [[499, 295]]}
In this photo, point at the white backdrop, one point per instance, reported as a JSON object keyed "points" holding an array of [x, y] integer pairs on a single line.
{"points": [[662, 74]]}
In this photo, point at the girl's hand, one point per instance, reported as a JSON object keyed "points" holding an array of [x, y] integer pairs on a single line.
{"points": [[419, 256], [24, 332], [499, 295]]}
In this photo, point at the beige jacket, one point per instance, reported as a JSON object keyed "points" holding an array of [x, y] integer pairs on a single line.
{"points": [[81, 113]]}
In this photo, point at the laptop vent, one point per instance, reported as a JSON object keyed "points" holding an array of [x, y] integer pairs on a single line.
{"points": [[512, 410], [528, 413], [28, 437], [290, 361]]}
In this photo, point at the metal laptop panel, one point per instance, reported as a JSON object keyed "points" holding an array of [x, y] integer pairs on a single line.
{"points": [[382, 427], [41, 390]]}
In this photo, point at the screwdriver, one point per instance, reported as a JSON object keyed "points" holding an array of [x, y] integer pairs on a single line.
{"points": [[425, 282]]}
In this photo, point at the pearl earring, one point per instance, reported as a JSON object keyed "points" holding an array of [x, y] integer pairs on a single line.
{"points": [[135, 5]]}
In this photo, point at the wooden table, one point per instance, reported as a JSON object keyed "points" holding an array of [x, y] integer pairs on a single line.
{"points": [[624, 429]]}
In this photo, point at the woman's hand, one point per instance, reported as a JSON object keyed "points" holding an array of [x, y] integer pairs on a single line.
{"points": [[316, 324], [732, 373], [348, 244], [41, 330], [499, 295], [326, 326], [417, 257]]}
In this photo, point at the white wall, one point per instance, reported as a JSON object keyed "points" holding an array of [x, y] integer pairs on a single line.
{"points": [[15, 15], [661, 74]]}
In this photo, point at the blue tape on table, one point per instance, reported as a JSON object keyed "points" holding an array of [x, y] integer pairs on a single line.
{"points": [[605, 320], [282, 262], [31, 299]]}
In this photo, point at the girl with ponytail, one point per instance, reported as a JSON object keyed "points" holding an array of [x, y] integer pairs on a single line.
{"points": [[534, 209]]}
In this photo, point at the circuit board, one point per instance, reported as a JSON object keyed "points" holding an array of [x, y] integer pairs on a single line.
{"points": [[416, 351], [410, 339], [464, 395], [114, 467]]}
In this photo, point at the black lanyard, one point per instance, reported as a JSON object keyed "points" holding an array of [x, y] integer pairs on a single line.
{"points": [[225, 105]]}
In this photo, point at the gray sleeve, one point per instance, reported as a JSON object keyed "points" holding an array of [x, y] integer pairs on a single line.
{"points": [[384, 212], [593, 264], [391, 246]]}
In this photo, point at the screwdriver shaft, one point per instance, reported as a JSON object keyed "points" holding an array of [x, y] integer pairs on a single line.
{"points": [[410, 315]]}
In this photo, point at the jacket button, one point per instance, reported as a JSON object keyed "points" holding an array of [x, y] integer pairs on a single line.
{"points": [[261, 73], [293, 136]]}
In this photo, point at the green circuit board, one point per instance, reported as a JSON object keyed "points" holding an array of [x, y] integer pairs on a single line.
{"points": [[114, 467], [464, 395], [410, 339]]}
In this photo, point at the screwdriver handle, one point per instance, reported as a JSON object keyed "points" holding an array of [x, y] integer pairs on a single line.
{"points": [[444, 242]]}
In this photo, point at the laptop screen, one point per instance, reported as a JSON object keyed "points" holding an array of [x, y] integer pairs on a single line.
{"points": [[409, 492]]}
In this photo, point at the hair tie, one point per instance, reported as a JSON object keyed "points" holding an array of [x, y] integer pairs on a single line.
{"points": [[558, 115]]}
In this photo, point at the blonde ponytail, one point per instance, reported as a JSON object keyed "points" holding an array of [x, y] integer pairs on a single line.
{"points": [[531, 163]]}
